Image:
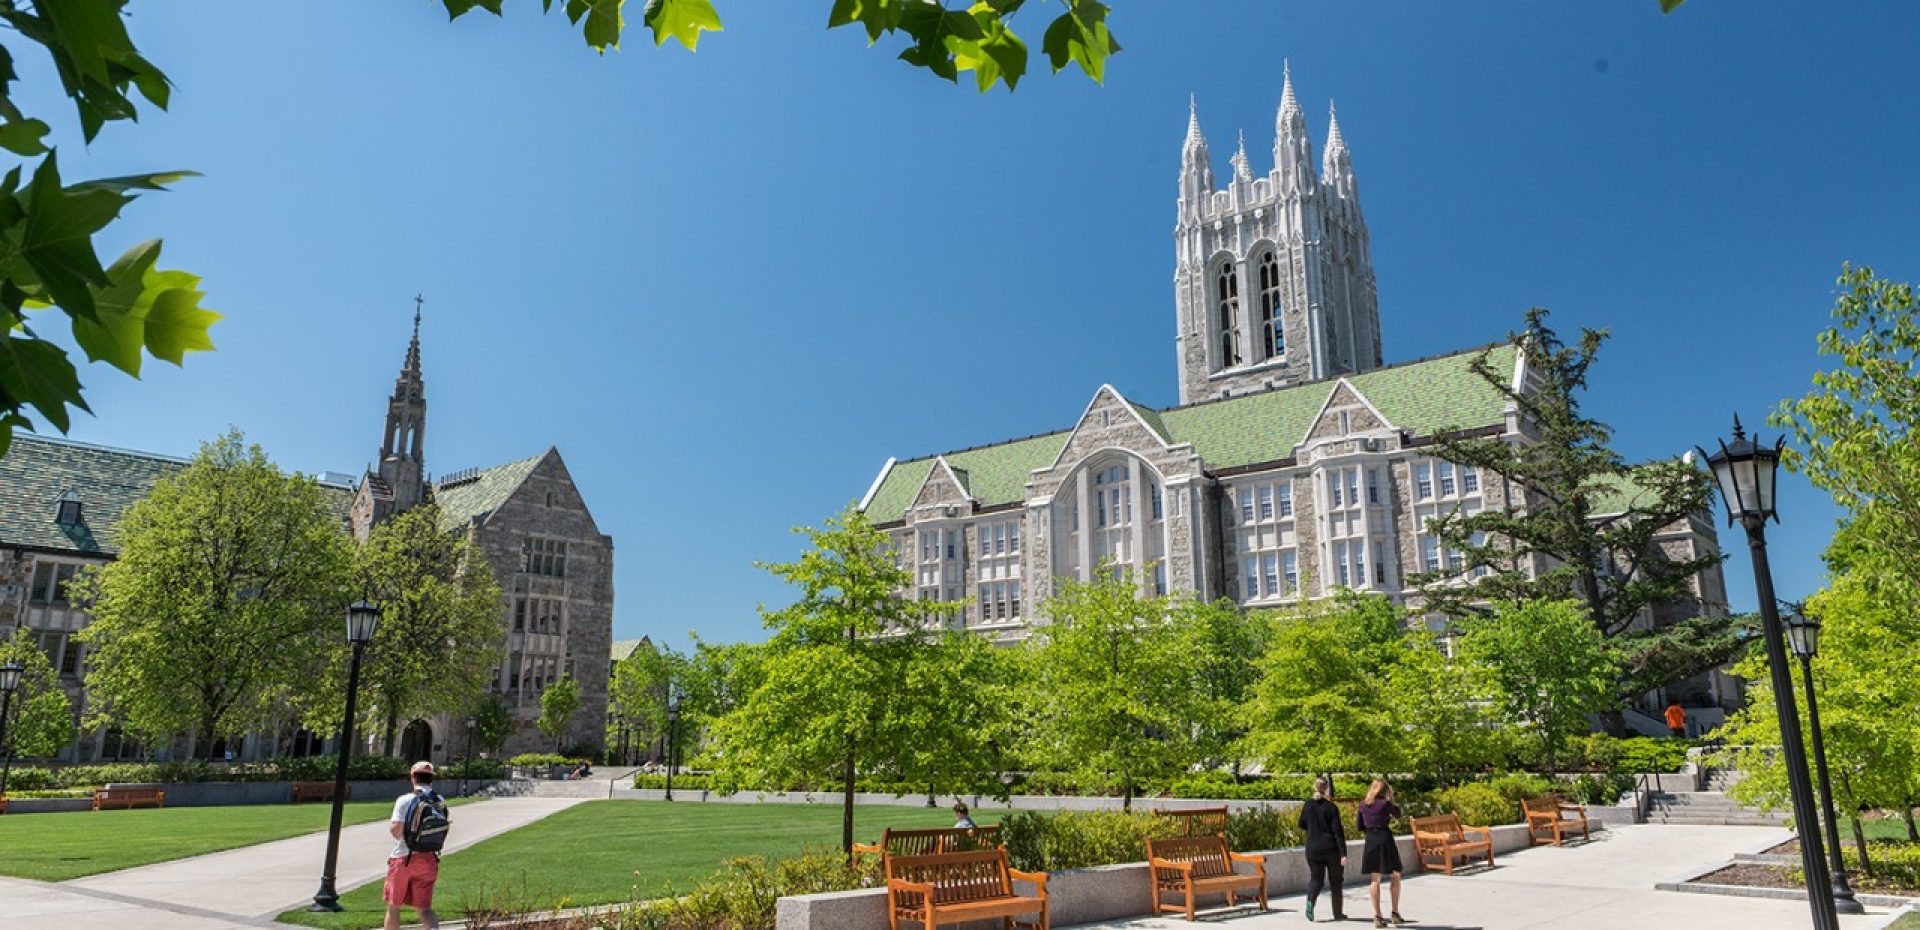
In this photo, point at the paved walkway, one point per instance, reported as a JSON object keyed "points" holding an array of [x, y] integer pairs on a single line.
{"points": [[239, 887], [1607, 883]]}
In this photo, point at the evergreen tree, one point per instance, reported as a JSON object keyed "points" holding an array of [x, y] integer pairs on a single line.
{"points": [[1578, 521]]}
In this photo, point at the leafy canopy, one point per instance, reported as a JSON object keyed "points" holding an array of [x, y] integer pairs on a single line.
{"points": [[1321, 703], [41, 718], [558, 703], [1551, 665], [227, 595]]}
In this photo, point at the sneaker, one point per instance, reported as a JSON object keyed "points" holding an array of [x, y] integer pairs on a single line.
{"points": [[1309, 912], [1398, 920]]}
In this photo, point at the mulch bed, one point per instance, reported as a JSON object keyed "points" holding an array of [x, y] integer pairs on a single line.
{"points": [[1767, 876]]}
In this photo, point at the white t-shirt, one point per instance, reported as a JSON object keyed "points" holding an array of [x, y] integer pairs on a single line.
{"points": [[400, 849]]}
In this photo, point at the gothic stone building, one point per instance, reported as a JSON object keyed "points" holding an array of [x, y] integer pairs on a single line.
{"points": [[60, 509], [1295, 464]]}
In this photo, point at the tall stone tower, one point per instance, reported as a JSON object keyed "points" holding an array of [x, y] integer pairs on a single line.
{"points": [[398, 482], [1273, 281]]}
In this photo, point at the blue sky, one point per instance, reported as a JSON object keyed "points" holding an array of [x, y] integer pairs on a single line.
{"points": [[729, 285]]}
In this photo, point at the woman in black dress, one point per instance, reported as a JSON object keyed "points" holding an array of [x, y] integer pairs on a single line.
{"points": [[1381, 855], [1326, 848]]}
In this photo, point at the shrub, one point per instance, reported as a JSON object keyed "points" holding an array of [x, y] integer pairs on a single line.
{"points": [[743, 895], [474, 768], [1225, 787], [1519, 787], [538, 759], [1078, 839], [1652, 754], [1478, 805], [686, 780], [1600, 788], [1264, 828]]}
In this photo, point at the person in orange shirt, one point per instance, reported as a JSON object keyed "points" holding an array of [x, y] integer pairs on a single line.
{"points": [[1677, 720]]}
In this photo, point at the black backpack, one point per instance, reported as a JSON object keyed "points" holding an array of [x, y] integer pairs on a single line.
{"points": [[427, 822]]}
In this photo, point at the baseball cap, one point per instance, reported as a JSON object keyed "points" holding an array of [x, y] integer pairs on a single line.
{"points": [[419, 767]]}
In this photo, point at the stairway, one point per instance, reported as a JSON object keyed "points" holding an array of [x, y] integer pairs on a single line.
{"points": [[1707, 807]]}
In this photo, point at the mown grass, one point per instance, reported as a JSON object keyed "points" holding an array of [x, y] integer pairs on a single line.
{"points": [[604, 852], [57, 847]]}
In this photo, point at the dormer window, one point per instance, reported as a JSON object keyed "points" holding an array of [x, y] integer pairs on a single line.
{"points": [[67, 512]]}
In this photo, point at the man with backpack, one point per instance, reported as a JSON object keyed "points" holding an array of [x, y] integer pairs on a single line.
{"points": [[419, 823]]}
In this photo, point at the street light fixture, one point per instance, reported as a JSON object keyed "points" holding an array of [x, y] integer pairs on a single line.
{"points": [[363, 619], [1746, 472], [9, 680], [1803, 634], [673, 734], [464, 769]]}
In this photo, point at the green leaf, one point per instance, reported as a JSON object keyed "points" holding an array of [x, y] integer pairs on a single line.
{"points": [[177, 324], [154, 181], [879, 17], [57, 237], [117, 334], [1668, 6], [36, 373], [1000, 55], [681, 20], [22, 137], [458, 8], [1080, 36]]}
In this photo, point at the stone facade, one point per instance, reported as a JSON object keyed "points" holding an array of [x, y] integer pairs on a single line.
{"points": [[1299, 467], [553, 565]]}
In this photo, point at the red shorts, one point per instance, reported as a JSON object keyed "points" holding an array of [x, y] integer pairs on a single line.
{"points": [[410, 880]]}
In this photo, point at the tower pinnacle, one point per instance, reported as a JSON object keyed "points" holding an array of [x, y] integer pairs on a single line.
{"points": [[1241, 170]]}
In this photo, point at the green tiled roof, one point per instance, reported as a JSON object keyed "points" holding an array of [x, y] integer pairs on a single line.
{"points": [[463, 499], [622, 648], [37, 470], [1421, 398]]}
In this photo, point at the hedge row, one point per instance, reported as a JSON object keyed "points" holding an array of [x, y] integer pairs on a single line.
{"points": [[303, 768]]}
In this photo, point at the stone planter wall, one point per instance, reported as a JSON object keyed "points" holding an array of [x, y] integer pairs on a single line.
{"points": [[225, 793], [1109, 892]]}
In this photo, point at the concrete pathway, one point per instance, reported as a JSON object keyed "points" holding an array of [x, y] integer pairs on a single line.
{"points": [[239, 887], [1607, 883]]}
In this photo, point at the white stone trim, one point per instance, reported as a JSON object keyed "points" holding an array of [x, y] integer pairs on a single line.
{"points": [[878, 480]]}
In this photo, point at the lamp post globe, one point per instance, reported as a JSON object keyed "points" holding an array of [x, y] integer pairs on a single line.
{"points": [[9, 680], [363, 620], [1746, 472]]}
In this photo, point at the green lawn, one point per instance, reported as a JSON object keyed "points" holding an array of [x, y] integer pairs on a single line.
{"points": [[56, 847], [600, 852], [1907, 921]]}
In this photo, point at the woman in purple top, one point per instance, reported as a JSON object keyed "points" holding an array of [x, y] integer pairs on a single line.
{"points": [[1381, 855]]}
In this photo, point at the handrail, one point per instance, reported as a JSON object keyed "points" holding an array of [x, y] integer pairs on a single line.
{"points": [[1642, 797]]}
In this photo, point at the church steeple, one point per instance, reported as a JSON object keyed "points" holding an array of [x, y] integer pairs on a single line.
{"points": [[398, 481], [1196, 165], [1337, 170]]}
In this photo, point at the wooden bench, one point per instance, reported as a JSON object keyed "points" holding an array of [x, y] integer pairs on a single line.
{"points": [[3, 805], [1439, 840], [1198, 821], [1549, 817], [957, 887], [930, 841], [127, 797], [1191, 866], [316, 791]]}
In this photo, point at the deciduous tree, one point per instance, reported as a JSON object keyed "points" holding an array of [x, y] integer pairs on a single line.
{"points": [[1226, 644], [1447, 708], [1552, 666], [42, 717], [1321, 702], [228, 591], [558, 703], [440, 633], [828, 697]]}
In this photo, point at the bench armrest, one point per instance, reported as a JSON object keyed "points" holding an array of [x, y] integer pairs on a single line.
{"points": [[1159, 863], [1038, 878], [873, 848], [1243, 857], [924, 889], [1486, 832]]}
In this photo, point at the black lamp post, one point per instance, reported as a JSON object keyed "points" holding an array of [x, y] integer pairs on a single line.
{"points": [[9, 680], [1803, 634], [362, 619], [468, 767], [1746, 472], [673, 734]]}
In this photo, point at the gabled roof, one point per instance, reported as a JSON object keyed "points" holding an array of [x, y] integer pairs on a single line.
{"points": [[1422, 398], [38, 469], [623, 648], [465, 498]]}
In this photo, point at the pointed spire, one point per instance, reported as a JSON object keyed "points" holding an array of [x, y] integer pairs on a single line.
{"points": [[1193, 121], [1292, 149], [1241, 170], [412, 366], [1334, 139], [1196, 165]]}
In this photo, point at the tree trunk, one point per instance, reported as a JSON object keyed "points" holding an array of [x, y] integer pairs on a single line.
{"points": [[846, 803], [1913, 833], [393, 725], [1859, 833]]}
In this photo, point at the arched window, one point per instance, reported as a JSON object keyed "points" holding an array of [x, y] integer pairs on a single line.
{"points": [[1273, 337], [1227, 286], [1124, 527]]}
